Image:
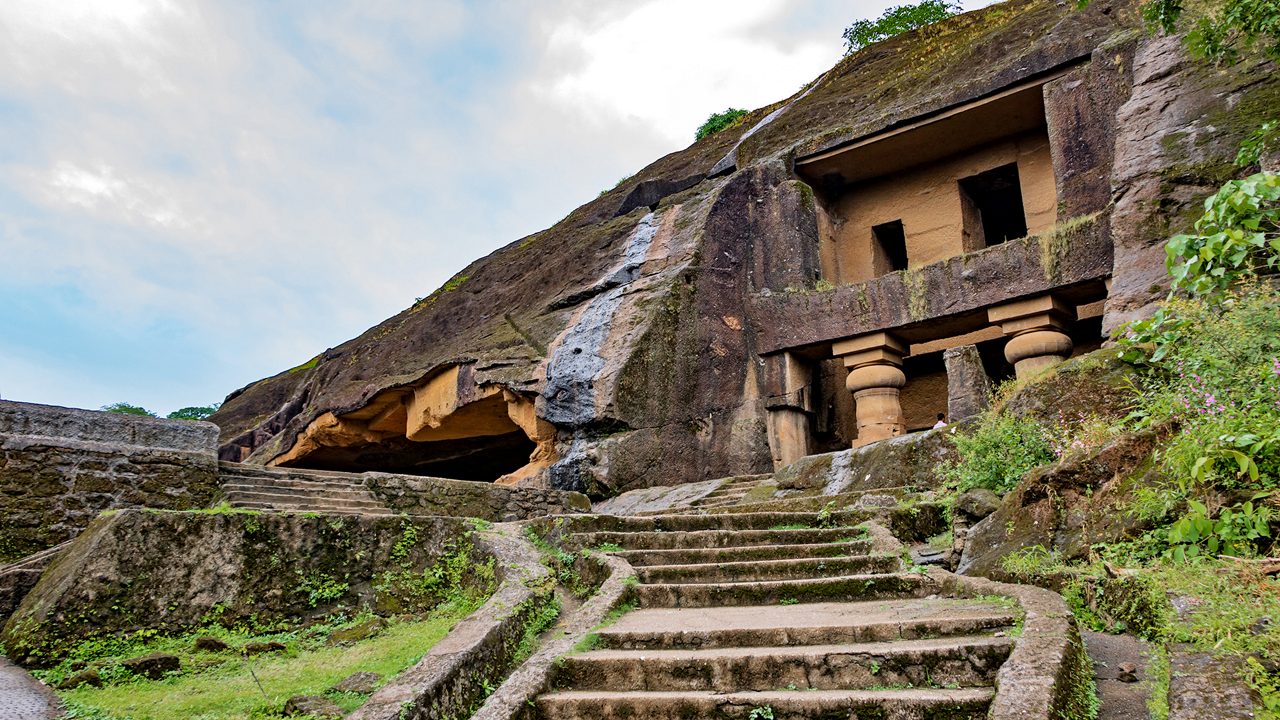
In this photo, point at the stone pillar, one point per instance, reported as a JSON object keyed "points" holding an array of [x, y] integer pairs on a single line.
{"points": [[875, 379], [790, 403], [1036, 329], [968, 387]]}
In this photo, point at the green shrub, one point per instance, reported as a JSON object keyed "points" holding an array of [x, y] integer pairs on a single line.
{"points": [[720, 121], [998, 452], [895, 21]]}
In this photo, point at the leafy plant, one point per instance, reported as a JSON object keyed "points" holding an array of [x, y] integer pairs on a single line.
{"points": [[1265, 138], [1235, 531], [719, 121], [1238, 234], [1219, 29], [762, 712], [998, 452], [895, 21]]}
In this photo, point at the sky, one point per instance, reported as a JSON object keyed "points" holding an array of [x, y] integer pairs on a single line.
{"points": [[196, 194]]}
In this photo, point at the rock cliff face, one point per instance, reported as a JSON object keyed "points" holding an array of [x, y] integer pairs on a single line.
{"points": [[635, 341]]}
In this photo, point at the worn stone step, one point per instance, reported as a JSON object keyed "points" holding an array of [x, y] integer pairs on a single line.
{"points": [[686, 522], [317, 509], [353, 491], [805, 624], [689, 556], [303, 500], [911, 704], [939, 662], [815, 503], [286, 481], [769, 592], [778, 569], [714, 538]]}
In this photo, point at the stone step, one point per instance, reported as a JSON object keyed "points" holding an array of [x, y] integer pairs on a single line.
{"points": [[946, 662], [353, 491], [691, 556], [287, 481], [303, 500], [780, 569], [687, 522], [769, 592], [805, 624], [910, 704], [814, 503], [315, 508], [713, 538]]}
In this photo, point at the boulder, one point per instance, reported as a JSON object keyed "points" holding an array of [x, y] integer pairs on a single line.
{"points": [[361, 683], [209, 644], [1067, 507], [977, 503], [87, 676], [153, 666], [263, 648], [907, 461], [1096, 383], [356, 633], [313, 706]]}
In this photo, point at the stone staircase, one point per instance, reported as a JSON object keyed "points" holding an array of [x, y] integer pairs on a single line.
{"points": [[256, 487], [764, 615]]}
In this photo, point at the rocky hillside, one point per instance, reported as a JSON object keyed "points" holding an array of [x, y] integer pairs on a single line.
{"points": [[625, 338]]}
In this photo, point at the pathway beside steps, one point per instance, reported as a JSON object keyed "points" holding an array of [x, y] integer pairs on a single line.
{"points": [[765, 613], [22, 697]]}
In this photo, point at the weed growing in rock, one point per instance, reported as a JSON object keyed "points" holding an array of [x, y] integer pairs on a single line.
{"points": [[720, 121]]}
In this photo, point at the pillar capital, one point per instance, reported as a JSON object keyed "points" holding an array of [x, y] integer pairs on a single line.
{"points": [[875, 379], [1036, 328]]}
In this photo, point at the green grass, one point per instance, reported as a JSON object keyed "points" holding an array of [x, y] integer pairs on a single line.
{"points": [[219, 686]]}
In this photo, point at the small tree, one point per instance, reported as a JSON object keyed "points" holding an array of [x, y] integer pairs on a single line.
{"points": [[124, 408], [895, 21], [719, 121], [195, 412]]}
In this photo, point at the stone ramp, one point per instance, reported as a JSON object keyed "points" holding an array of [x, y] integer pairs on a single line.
{"points": [[17, 579], [805, 616]]}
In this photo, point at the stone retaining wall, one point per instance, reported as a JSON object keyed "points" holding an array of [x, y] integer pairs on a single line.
{"points": [[416, 495], [60, 467], [450, 681]]}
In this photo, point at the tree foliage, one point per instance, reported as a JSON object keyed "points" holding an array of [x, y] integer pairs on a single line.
{"points": [[123, 408], [720, 121], [195, 412], [896, 20]]}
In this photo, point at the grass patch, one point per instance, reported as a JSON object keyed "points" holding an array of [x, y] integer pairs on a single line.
{"points": [[219, 686]]}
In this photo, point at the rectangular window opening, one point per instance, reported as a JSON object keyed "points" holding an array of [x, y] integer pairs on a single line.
{"points": [[992, 207], [890, 247]]}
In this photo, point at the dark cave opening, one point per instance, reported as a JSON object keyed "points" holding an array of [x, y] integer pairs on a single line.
{"points": [[483, 458]]}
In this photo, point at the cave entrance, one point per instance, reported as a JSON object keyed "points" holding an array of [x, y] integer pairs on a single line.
{"points": [[450, 426], [484, 459]]}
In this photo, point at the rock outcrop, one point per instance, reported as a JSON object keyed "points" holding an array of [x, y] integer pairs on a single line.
{"points": [[658, 326]]}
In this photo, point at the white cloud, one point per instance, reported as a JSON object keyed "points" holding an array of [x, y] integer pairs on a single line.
{"points": [[670, 63], [258, 181]]}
